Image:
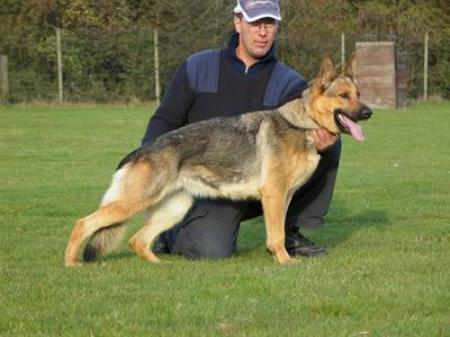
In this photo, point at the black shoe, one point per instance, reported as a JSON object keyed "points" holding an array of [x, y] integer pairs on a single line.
{"points": [[297, 244], [160, 246]]}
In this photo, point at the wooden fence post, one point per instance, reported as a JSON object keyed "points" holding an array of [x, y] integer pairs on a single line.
{"points": [[59, 59], [4, 85], [425, 68], [156, 56]]}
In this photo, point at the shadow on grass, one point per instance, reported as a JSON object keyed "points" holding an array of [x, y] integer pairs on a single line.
{"points": [[345, 226], [124, 254], [341, 225]]}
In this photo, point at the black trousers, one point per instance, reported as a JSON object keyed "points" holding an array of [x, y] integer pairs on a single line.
{"points": [[211, 227]]}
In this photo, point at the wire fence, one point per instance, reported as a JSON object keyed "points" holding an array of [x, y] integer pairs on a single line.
{"points": [[119, 67]]}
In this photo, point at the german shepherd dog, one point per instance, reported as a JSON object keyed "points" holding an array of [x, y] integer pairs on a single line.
{"points": [[263, 155]]}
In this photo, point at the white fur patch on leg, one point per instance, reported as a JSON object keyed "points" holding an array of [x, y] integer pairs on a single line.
{"points": [[165, 215], [114, 190], [173, 208]]}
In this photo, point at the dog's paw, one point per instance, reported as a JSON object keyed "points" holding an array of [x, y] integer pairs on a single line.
{"points": [[283, 258], [290, 262], [72, 264]]}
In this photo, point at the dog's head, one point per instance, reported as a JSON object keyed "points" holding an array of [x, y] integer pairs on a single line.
{"points": [[334, 100]]}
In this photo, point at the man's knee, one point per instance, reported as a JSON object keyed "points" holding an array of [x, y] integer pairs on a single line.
{"points": [[206, 249], [210, 231]]}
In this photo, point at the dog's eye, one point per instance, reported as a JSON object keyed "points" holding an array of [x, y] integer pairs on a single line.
{"points": [[345, 95]]}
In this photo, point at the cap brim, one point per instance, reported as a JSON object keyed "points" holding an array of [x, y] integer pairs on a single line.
{"points": [[261, 16], [239, 10]]}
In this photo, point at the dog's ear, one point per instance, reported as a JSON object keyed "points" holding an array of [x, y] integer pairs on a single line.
{"points": [[350, 67], [327, 74]]}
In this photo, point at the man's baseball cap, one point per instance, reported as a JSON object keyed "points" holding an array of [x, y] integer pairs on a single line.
{"points": [[253, 10]]}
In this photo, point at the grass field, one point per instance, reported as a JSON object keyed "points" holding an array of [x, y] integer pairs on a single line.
{"points": [[387, 272]]}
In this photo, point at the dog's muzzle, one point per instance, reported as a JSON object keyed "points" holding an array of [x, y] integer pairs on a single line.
{"points": [[350, 125]]}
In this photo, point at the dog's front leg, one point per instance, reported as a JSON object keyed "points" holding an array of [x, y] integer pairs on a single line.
{"points": [[274, 202]]}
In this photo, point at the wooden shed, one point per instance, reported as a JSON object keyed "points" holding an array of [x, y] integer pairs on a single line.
{"points": [[381, 74]]}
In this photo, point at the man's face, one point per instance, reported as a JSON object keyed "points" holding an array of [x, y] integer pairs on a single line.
{"points": [[255, 38]]}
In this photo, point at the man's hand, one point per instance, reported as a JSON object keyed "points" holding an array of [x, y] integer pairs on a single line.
{"points": [[323, 139]]}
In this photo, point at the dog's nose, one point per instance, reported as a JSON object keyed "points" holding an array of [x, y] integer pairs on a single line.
{"points": [[366, 113]]}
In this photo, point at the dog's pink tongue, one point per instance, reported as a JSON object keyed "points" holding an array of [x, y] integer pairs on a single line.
{"points": [[355, 130]]}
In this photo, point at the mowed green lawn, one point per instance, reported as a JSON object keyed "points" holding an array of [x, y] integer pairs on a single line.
{"points": [[387, 272]]}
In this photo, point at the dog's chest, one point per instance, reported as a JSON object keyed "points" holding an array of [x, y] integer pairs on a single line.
{"points": [[304, 162], [309, 166]]}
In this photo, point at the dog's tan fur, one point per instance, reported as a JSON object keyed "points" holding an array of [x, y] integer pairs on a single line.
{"points": [[163, 180]]}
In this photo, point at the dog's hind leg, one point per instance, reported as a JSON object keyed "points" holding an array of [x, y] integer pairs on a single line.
{"points": [[133, 189], [114, 213], [168, 212]]}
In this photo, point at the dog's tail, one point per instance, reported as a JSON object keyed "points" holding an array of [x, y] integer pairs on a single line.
{"points": [[103, 241]]}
